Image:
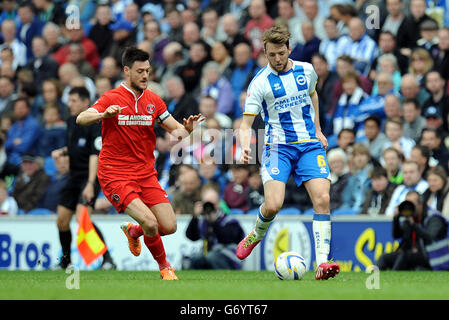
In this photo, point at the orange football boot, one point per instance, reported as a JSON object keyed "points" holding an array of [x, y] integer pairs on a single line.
{"points": [[168, 274], [134, 244]]}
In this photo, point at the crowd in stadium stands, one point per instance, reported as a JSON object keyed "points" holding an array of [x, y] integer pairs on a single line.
{"points": [[382, 83]]}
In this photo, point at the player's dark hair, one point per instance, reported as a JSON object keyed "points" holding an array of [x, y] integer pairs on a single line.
{"points": [[82, 92], [133, 54], [374, 118]]}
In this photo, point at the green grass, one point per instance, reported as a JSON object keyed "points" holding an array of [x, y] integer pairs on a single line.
{"points": [[220, 285]]}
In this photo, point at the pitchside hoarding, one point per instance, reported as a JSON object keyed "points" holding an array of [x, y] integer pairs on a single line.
{"points": [[32, 242]]}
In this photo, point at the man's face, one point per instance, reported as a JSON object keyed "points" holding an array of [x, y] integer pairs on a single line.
{"points": [[210, 20], [409, 89], [242, 54], [277, 55], [356, 29], [386, 43], [371, 129], [256, 9], [331, 29], [285, 10], [392, 107], [417, 8], [380, 183], [417, 156], [39, 48], [384, 84], [77, 105], [391, 160], [443, 37], [394, 7], [21, 110], [411, 174], [343, 67], [346, 138], [8, 29], [207, 107], [103, 15], [6, 87], [410, 112], [393, 131], [29, 168], [138, 74], [430, 139], [321, 67], [433, 122], [25, 15], [434, 83]]}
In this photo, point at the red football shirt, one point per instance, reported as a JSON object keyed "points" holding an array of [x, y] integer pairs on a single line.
{"points": [[128, 138]]}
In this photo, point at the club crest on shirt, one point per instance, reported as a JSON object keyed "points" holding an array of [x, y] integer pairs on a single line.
{"points": [[301, 80], [151, 108]]}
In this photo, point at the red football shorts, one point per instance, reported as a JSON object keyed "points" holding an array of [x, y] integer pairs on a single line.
{"points": [[121, 192]]}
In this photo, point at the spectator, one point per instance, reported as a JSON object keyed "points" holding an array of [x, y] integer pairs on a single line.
{"points": [[8, 205], [218, 87], [52, 34], [421, 155], [189, 193], [304, 52], [7, 95], [54, 131], [52, 94], [387, 45], [414, 123], [8, 65], [324, 87], [52, 195], [191, 33], [30, 26], [378, 198], [359, 182], [259, 22], [180, 104], [43, 65], [31, 183], [408, 32], [245, 69], [77, 35], [343, 13], [359, 39], [236, 191], [173, 59], [395, 134], [332, 46], [439, 155], [338, 164], [109, 68], [24, 134], [434, 120], [86, 8], [410, 89], [255, 190], [219, 232], [287, 12], [240, 10], [158, 41], [395, 16], [101, 33], [420, 63], [124, 35], [435, 84], [191, 71], [412, 181], [347, 113], [436, 197], [102, 84], [209, 109], [387, 63], [220, 53], [210, 32], [429, 37], [345, 139], [67, 74], [52, 11], [392, 106], [374, 139], [77, 57], [393, 159], [232, 31], [9, 11], [8, 30], [210, 173], [312, 11], [442, 60]]}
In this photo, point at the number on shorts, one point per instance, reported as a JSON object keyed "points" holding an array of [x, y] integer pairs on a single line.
{"points": [[321, 161]]}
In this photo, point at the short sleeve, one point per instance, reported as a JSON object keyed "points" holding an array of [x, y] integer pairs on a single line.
{"points": [[101, 104], [313, 78], [253, 101]]}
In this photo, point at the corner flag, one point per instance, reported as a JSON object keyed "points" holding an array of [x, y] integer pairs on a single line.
{"points": [[89, 244]]}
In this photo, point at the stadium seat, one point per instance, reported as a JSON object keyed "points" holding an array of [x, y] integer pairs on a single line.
{"points": [[20, 212], [236, 211], [39, 212], [340, 212], [290, 211], [253, 211]]}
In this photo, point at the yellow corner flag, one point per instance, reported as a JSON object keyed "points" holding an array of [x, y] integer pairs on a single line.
{"points": [[89, 244]]}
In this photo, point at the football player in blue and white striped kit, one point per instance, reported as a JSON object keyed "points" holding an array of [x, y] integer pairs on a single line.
{"points": [[284, 93]]}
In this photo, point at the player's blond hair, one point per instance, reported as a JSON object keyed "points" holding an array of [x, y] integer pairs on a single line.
{"points": [[276, 35]]}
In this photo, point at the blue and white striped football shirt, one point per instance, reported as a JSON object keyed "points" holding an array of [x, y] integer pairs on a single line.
{"points": [[283, 99]]}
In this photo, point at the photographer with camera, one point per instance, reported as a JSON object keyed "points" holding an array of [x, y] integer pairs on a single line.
{"points": [[220, 233], [416, 230]]}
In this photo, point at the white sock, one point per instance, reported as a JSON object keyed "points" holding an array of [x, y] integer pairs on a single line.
{"points": [[262, 225], [322, 236]]}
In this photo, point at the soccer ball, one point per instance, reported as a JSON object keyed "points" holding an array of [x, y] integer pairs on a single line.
{"points": [[290, 266]]}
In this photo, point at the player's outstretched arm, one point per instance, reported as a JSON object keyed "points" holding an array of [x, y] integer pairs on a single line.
{"points": [[90, 116], [245, 137], [180, 131]]}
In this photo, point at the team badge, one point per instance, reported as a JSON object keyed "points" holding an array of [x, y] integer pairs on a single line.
{"points": [[301, 80], [275, 171], [151, 108], [116, 198]]}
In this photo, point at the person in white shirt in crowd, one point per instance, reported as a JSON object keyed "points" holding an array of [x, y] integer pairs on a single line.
{"points": [[395, 16], [394, 132], [413, 181], [332, 47], [8, 30]]}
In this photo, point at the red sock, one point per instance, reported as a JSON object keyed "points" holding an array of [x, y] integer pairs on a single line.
{"points": [[136, 231], [156, 247]]}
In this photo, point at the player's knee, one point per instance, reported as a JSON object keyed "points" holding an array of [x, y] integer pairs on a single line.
{"points": [[171, 228], [322, 200], [150, 227], [272, 208]]}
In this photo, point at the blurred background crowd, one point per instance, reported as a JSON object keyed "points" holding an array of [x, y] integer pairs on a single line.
{"points": [[383, 71]]}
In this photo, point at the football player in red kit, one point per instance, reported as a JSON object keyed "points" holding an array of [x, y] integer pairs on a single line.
{"points": [[126, 164]]}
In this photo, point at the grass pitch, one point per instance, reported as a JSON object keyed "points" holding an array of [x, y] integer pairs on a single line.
{"points": [[220, 285]]}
